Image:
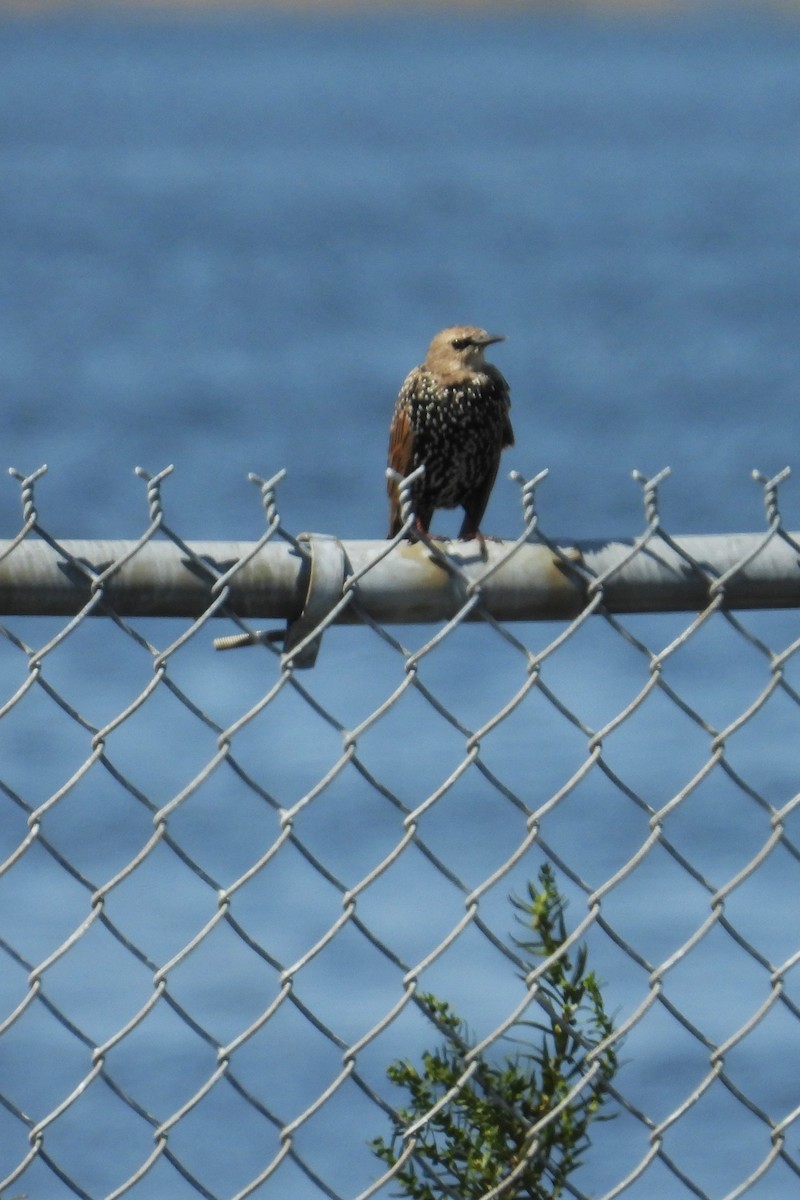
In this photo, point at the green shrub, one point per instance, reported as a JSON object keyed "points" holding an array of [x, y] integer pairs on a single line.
{"points": [[482, 1136]]}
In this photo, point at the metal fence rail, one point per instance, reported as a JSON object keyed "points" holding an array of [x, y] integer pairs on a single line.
{"points": [[226, 877]]}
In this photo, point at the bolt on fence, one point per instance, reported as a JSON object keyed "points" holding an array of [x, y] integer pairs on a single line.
{"points": [[227, 878]]}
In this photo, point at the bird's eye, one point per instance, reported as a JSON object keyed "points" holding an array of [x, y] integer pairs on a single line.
{"points": [[460, 343]]}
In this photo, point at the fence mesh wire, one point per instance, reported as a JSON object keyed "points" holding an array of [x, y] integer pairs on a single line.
{"points": [[225, 878]]}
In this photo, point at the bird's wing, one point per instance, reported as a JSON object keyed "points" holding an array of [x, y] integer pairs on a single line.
{"points": [[500, 384], [401, 460], [508, 432], [401, 442]]}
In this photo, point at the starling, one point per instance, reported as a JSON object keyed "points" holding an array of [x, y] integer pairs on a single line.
{"points": [[452, 416]]}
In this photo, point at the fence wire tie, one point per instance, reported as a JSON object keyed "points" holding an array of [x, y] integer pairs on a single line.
{"points": [[269, 502], [566, 559], [325, 588], [404, 485], [268, 488], [771, 487], [27, 484], [153, 482], [650, 494], [528, 496]]}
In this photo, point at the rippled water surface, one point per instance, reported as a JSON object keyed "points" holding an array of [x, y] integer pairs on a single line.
{"points": [[223, 242]]}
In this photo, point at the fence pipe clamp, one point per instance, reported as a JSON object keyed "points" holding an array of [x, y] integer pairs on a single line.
{"points": [[326, 570], [325, 586]]}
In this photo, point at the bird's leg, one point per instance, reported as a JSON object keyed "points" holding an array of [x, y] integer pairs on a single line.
{"points": [[422, 521], [419, 526], [470, 526]]}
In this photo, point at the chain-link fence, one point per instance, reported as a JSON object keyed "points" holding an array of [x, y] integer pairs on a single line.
{"points": [[227, 878]]}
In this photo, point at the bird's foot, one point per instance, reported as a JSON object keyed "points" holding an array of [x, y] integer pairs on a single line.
{"points": [[475, 535]]}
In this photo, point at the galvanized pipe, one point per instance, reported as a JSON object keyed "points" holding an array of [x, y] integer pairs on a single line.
{"points": [[405, 585]]}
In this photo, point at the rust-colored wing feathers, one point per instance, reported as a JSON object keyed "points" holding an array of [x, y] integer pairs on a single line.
{"points": [[401, 458]]}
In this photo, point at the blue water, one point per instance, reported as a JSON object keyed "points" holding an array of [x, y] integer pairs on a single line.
{"points": [[223, 242], [223, 237]]}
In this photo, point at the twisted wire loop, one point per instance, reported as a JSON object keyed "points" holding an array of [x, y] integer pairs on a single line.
{"points": [[228, 881]]}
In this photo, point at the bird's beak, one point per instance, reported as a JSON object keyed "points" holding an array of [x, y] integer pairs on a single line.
{"points": [[489, 339]]}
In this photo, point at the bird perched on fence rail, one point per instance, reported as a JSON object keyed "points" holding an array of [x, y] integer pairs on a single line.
{"points": [[452, 416]]}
